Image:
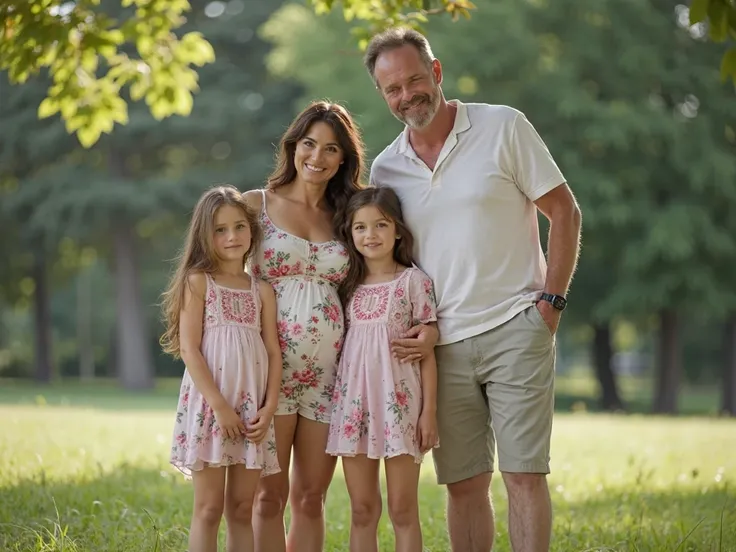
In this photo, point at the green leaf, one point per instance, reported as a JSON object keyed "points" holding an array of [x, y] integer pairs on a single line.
{"points": [[67, 105], [89, 61], [728, 64], [144, 44], [183, 102], [196, 49], [698, 11], [718, 19], [48, 107], [138, 89], [160, 107], [88, 136]]}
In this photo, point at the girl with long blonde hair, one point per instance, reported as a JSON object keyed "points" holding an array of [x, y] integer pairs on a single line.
{"points": [[222, 323]]}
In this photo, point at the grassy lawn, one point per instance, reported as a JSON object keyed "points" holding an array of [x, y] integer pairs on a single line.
{"points": [[85, 469]]}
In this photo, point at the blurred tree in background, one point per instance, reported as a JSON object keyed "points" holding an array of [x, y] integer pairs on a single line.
{"points": [[627, 95]]}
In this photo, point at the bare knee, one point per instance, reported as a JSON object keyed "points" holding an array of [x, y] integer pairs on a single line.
{"points": [[468, 493], [309, 502], [403, 510], [524, 483], [239, 512], [270, 500], [208, 512], [365, 513]]}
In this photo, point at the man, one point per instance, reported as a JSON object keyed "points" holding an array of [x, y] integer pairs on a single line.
{"points": [[471, 178]]}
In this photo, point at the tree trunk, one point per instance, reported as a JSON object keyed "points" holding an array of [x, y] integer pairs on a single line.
{"points": [[42, 320], [111, 366], [729, 367], [602, 356], [668, 364], [135, 363], [84, 327]]}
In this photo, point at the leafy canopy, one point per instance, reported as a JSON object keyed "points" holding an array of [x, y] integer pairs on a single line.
{"points": [[91, 57]]}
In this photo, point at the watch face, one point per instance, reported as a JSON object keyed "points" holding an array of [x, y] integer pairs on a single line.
{"points": [[559, 303]]}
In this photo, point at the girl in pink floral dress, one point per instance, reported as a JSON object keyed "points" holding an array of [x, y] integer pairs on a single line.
{"points": [[222, 324], [383, 409]]}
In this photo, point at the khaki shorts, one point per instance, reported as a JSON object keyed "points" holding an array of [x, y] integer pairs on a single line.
{"points": [[496, 388]]}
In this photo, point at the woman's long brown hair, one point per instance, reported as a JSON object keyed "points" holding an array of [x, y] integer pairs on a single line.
{"points": [[385, 200], [198, 255], [347, 179]]}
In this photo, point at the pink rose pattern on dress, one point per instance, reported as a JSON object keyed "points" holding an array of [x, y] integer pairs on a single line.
{"points": [[397, 305], [231, 344], [310, 335], [207, 431]]}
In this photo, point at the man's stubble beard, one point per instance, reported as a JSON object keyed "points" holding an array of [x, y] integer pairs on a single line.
{"points": [[421, 120]]}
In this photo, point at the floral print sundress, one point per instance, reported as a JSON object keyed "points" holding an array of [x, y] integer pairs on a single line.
{"points": [[236, 355], [378, 400], [305, 277]]}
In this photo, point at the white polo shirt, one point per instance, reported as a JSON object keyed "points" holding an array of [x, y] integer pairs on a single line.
{"points": [[473, 217]]}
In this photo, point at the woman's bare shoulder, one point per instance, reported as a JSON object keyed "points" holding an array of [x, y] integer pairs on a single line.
{"points": [[254, 198]]}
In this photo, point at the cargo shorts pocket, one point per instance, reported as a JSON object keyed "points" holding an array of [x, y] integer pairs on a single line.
{"points": [[539, 320]]}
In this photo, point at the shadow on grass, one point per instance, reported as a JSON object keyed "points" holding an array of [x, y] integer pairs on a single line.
{"points": [[133, 509]]}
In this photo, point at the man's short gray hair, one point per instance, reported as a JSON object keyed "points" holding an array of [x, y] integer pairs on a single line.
{"points": [[392, 38]]}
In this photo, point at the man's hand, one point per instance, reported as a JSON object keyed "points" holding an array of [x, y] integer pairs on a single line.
{"points": [[550, 315], [416, 343]]}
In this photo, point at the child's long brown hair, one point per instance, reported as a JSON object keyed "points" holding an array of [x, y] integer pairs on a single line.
{"points": [[385, 200], [199, 255]]}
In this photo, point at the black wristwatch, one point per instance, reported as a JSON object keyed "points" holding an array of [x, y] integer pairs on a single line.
{"points": [[558, 301]]}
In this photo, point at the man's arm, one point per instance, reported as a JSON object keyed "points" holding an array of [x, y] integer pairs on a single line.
{"points": [[563, 246]]}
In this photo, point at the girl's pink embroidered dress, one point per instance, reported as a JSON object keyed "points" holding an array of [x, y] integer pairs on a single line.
{"points": [[377, 400], [237, 357]]}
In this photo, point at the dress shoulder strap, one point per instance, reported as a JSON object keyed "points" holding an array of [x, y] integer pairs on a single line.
{"points": [[211, 285]]}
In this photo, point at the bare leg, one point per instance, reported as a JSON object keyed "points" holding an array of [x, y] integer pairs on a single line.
{"points": [[273, 492], [470, 514], [361, 478], [240, 488], [402, 481], [530, 511], [209, 500], [313, 470]]}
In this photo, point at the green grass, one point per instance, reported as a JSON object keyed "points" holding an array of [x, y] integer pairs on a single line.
{"points": [[575, 391], [85, 469]]}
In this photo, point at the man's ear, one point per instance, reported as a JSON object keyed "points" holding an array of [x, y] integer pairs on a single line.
{"points": [[437, 71]]}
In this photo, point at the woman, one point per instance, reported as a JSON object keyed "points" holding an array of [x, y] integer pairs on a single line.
{"points": [[319, 167]]}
